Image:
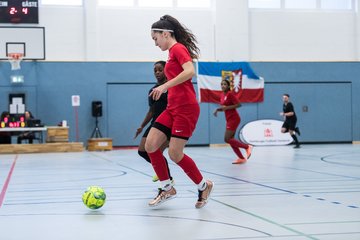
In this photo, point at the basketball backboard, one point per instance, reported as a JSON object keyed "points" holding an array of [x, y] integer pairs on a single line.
{"points": [[29, 41]]}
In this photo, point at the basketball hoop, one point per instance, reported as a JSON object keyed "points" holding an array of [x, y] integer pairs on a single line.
{"points": [[15, 59]]}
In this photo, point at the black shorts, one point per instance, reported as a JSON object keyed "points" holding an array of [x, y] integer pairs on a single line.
{"points": [[146, 133], [164, 129], [289, 125]]}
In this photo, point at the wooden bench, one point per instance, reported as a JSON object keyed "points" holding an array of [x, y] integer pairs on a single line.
{"points": [[41, 148]]}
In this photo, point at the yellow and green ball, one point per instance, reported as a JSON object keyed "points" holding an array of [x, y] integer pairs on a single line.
{"points": [[94, 197]]}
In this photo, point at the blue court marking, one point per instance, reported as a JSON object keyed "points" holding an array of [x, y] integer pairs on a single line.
{"points": [[121, 165], [265, 186], [94, 213], [319, 223], [324, 159], [250, 182], [59, 201], [312, 171], [265, 220], [42, 203], [234, 178], [119, 174]]}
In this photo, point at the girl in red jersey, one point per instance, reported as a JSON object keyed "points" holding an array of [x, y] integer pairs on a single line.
{"points": [[179, 119], [229, 104]]}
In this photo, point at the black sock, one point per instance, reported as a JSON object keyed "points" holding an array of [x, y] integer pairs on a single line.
{"points": [[167, 165], [295, 139], [145, 156]]}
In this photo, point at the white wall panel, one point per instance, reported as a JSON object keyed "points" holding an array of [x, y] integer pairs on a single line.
{"points": [[64, 28], [125, 36], [301, 36], [232, 31], [228, 33]]}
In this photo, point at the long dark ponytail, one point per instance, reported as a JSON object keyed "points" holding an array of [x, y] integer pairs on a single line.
{"points": [[181, 33]]}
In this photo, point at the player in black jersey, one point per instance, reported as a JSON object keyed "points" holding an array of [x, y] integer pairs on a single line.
{"points": [[290, 120], [156, 107]]}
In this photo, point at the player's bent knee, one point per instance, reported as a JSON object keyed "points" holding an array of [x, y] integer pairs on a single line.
{"points": [[175, 154], [150, 147]]}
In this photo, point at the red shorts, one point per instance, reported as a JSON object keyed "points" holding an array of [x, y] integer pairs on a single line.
{"points": [[181, 120], [232, 124]]}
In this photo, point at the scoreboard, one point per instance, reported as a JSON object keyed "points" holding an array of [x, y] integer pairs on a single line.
{"points": [[19, 11]]}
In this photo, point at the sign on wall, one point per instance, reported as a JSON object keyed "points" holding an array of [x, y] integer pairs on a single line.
{"points": [[75, 100], [264, 132]]}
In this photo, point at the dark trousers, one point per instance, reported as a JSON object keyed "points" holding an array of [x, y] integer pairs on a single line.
{"points": [[5, 139], [26, 136]]}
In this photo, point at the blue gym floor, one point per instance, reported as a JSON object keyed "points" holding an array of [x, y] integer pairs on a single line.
{"points": [[281, 193]]}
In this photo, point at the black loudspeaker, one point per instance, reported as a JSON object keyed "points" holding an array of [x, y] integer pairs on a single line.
{"points": [[97, 108]]}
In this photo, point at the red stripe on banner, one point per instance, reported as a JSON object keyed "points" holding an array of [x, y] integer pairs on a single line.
{"points": [[210, 96], [250, 95], [244, 95], [6, 184]]}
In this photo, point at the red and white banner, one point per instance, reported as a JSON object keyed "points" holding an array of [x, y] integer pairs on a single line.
{"points": [[264, 132], [247, 86]]}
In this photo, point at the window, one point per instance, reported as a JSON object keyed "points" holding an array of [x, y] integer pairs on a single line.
{"points": [[264, 3], [155, 3], [119, 3], [336, 4], [194, 3], [62, 2], [303, 4]]}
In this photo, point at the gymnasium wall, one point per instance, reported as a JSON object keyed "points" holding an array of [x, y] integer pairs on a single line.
{"points": [[328, 89], [227, 32], [106, 54]]}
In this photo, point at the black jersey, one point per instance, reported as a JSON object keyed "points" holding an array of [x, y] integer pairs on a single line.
{"points": [[157, 107], [289, 108]]}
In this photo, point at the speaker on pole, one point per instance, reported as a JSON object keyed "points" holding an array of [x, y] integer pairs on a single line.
{"points": [[97, 108]]}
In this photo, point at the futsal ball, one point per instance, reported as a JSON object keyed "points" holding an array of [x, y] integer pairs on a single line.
{"points": [[94, 197]]}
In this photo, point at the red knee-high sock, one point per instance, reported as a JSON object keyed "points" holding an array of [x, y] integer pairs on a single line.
{"points": [[235, 145], [190, 168], [237, 152], [159, 164]]}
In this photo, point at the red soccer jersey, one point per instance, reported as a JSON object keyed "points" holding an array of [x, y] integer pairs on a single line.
{"points": [[183, 93], [228, 99]]}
